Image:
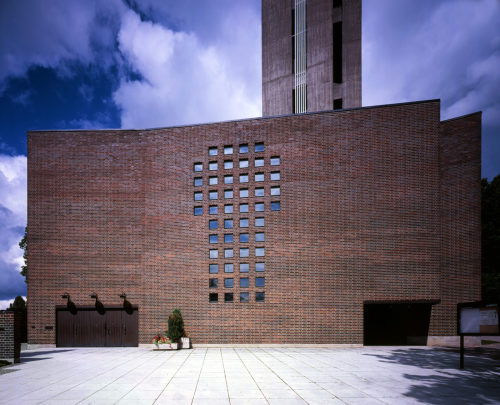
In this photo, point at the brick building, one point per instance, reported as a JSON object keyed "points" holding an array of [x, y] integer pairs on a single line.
{"points": [[353, 226]]}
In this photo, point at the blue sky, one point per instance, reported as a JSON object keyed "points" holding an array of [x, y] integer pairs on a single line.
{"points": [[151, 63]]}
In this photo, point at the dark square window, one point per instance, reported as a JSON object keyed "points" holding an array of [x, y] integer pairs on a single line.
{"points": [[259, 207], [228, 194], [243, 222], [228, 297], [275, 190], [213, 253], [337, 3], [213, 297], [213, 180], [259, 221], [244, 148], [275, 176], [228, 253], [259, 162], [337, 104], [243, 163], [244, 178], [244, 267], [260, 297], [275, 161], [244, 282], [275, 205], [212, 224], [260, 282], [228, 179], [259, 266], [259, 237], [244, 297], [228, 283], [243, 192], [228, 224], [259, 191], [198, 196], [243, 237], [213, 268], [259, 147], [213, 209], [198, 210], [228, 164], [259, 177], [228, 268], [198, 167], [212, 166], [213, 195], [213, 238], [260, 251], [228, 209], [213, 283], [212, 151], [228, 238], [228, 150], [244, 252], [198, 181], [243, 207]]}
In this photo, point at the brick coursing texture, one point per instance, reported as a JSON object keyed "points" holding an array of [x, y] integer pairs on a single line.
{"points": [[377, 203], [12, 333]]}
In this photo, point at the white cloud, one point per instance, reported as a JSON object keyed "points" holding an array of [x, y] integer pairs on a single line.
{"points": [[13, 206], [183, 81], [4, 304]]}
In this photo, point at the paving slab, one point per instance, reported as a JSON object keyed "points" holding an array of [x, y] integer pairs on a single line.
{"points": [[253, 375]]}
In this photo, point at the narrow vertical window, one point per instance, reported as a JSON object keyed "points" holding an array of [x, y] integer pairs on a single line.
{"points": [[337, 52]]}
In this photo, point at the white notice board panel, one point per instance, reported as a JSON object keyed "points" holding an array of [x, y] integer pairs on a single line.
{"points": [[469, 320], [478, 319]]}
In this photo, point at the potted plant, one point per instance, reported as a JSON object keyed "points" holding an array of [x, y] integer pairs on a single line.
{"points": [[175, 326], [163, 343], [186, 341]]}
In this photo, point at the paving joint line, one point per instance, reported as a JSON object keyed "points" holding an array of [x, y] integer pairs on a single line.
{"points": [[199, 375], [251, 375]]}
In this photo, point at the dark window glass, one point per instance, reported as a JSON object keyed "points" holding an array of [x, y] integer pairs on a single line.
{"points": [[213, 238], [244, 267], [213, 268], [259, 221], [213, 209], [228, 209], [243, 237], [213, 283], [259, 207], [213, 297], [244, 282], [228, 223], [212, 151], [259, 237], [213, 180], [243, 192], [228, 179], [198, 181], [228, 268], [212, 224], [259, 176], [259, 147], [228, 194], [275, 190], [259, 266], [228, 283], [275, 205], [213, 195], [244, 223], [259, 191], [337, 104], [337, 52], [243, 207], [337, 3], [198, 196], [260, 282], [259, 162], [212, 166], [228, 150], [244, 252], [198, 210], [228, 297], [260, 297], [198, 167], [228, 238], [244, 148], [275, 161], [228, 164], [275, 176], [260, 251], [244, 297]]}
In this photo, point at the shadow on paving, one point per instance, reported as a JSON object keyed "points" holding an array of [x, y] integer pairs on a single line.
{"points": [[478, 383], [42, 353]]}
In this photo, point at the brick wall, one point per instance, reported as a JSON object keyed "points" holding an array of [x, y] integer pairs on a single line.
{"points": [[112, 211], [12, 332]]}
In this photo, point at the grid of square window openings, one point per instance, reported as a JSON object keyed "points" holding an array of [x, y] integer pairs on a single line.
{"points": [[231, 193]]}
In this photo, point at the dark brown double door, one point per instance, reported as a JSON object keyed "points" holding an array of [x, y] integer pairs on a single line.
{"points": [[89, 328]]}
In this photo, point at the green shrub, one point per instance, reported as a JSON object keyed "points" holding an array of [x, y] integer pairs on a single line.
{"points": [[175, 326]]}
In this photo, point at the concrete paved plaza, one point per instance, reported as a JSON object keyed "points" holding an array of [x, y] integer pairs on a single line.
{"points": [[251, 376]]}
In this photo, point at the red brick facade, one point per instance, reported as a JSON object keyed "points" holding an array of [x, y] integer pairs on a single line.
{"points": [[376, 204]]}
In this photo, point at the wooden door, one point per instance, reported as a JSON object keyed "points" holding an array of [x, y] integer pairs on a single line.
{"points": [[113, 328], [130, 326], [64, 328]]}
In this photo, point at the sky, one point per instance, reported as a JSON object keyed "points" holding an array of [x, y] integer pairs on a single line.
{"points": [[91, 64]]}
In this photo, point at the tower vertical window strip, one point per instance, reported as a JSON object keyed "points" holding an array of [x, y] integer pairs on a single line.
{"points": [[300, 56]]}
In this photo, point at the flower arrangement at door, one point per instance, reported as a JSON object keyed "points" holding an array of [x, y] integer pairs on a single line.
{"points": [[159, 340]]}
